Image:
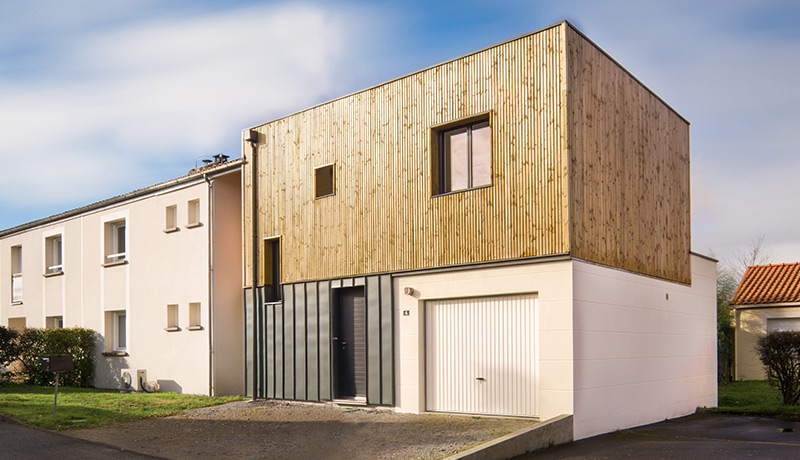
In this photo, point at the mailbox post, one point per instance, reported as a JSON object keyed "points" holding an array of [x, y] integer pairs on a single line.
{"points": [[56, 364]]}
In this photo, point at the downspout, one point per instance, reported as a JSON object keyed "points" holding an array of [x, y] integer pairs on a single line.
{"points": [[252, 139], [210, 287]]}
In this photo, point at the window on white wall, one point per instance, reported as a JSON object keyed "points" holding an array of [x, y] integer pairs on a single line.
{"points": [[195, 316], [171, 223], [17, 324], [53, 255], [120, 331], [16, 274], [193, 213], [115, 244], [54, 322], [172, 317]]}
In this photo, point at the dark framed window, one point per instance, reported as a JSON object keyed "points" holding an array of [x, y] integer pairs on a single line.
{"points": [[464, 156], [324, 181], [272, 269]]}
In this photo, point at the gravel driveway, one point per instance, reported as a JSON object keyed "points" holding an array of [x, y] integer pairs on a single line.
{"points": [[291, 430]]}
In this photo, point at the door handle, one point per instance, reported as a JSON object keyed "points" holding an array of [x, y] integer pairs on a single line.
{"points": [[480, 378]]}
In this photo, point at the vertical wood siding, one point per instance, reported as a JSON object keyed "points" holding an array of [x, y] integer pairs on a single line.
{"points": [[629, 169], [289, 342], [383, 216]]}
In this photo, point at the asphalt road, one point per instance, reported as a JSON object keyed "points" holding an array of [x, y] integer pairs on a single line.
{"points": [[700, 436], [18, 442]]}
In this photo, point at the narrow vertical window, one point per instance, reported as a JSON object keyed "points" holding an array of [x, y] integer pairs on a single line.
{"points": [[464, 159], [120, 336], [272, 264], [16, 274], [324, 181], [193, 213], [115, 244], [171, 219], [53, 255], [195, 316], [172, 317]]}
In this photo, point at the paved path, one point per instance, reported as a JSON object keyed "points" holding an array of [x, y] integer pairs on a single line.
{"points": [[702, 436], [18, 442]]}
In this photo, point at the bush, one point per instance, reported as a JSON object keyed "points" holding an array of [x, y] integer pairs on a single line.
{"points": [[78, 342], [9, 348], [780, 353]]}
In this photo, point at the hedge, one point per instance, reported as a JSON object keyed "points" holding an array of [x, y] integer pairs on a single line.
{"points": [[78, 342]]}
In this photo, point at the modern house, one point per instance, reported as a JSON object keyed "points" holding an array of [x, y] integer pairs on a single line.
{"points": [[506, 233], [766, 300], [157, 272]]}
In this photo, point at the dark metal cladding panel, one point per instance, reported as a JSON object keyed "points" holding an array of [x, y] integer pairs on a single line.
{"points": [[373, 340], [312, 350], [270, 351], [300, 340], [324, 300], [387, 341], [249, 341], [262, 346], [278, 331], [288, 343]]}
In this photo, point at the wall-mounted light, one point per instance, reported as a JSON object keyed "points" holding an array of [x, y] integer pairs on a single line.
{"points": [[408, 291]]}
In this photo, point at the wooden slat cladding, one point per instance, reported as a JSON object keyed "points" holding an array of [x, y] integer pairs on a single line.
{"points": [[383, 216], [629, 169]]}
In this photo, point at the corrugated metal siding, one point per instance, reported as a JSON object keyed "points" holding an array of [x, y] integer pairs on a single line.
{"points": [[489, 338], [383, 217], [289, 342]]}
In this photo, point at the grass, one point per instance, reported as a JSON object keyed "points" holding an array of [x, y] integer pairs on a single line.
{"points": [[87, 407], [753, 397]]}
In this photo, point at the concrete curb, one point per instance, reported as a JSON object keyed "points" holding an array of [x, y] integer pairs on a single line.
{"points": [[557, 430]]}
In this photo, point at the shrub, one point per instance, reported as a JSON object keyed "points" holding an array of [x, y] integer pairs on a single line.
{"points": [[780, 353], [9, 349], [78, 342]]}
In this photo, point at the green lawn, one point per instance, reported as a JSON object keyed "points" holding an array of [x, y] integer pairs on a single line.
{"points": [[753, 397], [82, 407]]}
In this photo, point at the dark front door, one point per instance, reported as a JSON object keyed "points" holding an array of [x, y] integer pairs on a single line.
{"points": [[349, 344]]}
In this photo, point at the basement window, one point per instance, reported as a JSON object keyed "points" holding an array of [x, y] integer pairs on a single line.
{"points": [[463, 155], [324, 181]]}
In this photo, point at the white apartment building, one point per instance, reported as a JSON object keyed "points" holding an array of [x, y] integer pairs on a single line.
{"points": [[157, 272]]}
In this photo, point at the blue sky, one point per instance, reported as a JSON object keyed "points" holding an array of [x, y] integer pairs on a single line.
{"points": [[98, 98]]}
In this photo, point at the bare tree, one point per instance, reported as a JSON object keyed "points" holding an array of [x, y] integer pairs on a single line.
{"points": [[754, 254]]}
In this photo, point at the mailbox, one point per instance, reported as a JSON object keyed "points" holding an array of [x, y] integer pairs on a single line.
{"points": [[57, 363]]}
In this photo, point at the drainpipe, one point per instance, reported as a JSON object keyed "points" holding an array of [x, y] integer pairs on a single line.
{"points": [[210, 287], [252, 139]]}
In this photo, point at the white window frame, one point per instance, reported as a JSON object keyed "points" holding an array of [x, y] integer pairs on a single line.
{"points": [[54, 255], [16, 277], [116, 333], [115, 253]]}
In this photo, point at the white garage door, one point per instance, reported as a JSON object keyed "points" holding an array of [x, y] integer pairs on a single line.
{"points": [[783, 324], [481, 355]]}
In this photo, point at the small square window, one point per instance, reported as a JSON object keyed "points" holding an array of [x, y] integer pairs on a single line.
{"points": [[171, 222], [324, 181], [17, 324], [463, 156], [194, 213], [172, 317], [195, 313], [53, 255], [115, 243], [54, 322]]}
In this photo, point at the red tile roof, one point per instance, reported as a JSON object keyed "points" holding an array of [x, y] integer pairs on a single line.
{"points": [[778, 283]]}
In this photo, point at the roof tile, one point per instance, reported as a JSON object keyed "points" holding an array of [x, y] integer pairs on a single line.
{"points": [[761, 284]]}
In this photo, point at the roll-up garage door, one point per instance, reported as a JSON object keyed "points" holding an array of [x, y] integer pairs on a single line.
{"points": [[481, 355]]}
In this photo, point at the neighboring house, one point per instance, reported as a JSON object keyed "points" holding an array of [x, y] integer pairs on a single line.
{"points": [[766, 300], [157, 272], [507, 233]]}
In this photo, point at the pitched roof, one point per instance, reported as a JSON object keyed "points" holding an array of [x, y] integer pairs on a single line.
{"points": [[777, 283], [194, 174]]}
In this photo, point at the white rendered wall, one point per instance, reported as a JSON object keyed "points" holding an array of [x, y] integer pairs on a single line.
{"points": [[641, 357], [551, 281], [751, 323]]}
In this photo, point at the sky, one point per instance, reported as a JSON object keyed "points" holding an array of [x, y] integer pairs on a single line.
{"points": [[98, 98]]}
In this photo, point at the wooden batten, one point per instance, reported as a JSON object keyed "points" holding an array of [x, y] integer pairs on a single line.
{"points": [[585, 160]]}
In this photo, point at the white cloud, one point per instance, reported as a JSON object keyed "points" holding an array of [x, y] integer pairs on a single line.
{"points": [[157, 91]]}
